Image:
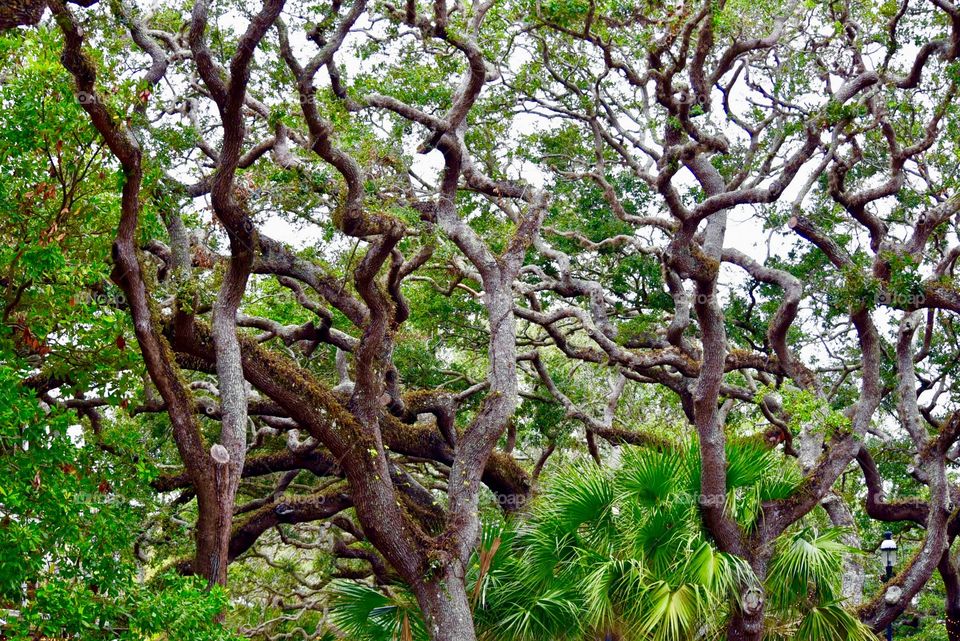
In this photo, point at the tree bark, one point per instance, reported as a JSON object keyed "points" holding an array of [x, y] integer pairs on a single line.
{"points": [[951, 581], [854, 574], [953, 624], [747, 620], [446, 608], [745, 627], [19, 13], [214, 517]]}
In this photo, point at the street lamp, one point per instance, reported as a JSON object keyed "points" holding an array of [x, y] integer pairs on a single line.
{"points": [[888, 552], [888, 548]]}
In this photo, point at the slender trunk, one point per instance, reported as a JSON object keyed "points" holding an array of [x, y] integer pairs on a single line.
{"points": [[446, 609]]}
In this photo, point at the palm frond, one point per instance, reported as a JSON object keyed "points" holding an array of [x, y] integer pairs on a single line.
{"points": [[650, 478], [584, 496], [747, 463], [806, 564], [831, 622], [611, 587], [552, 615], [366, 614], [664, 539], [671, 613], [708, 568], [548, 553]]}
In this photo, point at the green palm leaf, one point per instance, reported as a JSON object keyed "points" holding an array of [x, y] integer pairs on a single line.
{"points": [[552, 615], [747, 463], [805, 565], [610, 588], [664, 539], [366, 614], [583, 495], [651, 478], [624, 551], [671, 613], [831, 622]]}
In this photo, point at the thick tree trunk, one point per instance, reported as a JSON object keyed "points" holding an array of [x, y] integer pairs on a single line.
{"points": [[951, 581], [745, 627], [747, 618], [214, 519], [854, 574], [953, 623], [446, 609], [19, 13]]}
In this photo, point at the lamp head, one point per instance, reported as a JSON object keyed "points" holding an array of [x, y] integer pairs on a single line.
{"points": [[888, 543], [888, 549]]}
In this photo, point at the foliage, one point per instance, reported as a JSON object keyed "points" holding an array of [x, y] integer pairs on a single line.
{"points": [[828, 130], [624, 552]]}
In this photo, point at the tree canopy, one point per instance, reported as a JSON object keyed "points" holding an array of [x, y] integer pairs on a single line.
{"points": [[506, 320]]}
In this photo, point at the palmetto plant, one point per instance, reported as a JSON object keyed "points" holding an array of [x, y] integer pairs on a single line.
{"points": [[366, 614], [621, 555]]}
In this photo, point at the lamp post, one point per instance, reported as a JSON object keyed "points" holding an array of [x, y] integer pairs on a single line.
{"points": [[888, 552]]}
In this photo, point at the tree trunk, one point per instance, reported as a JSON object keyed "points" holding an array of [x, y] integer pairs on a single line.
{"points": [[215, 498], [953, 623], [951, 581], [854, 574], [446, 609], [745, 627], [19, 13], [747, 618]]}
